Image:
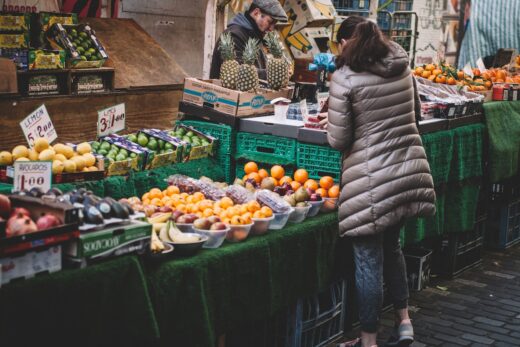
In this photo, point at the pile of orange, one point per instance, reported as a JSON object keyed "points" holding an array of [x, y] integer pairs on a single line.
{"points": [[447, 74], [501, 76], [325, 186], [198, 205]]}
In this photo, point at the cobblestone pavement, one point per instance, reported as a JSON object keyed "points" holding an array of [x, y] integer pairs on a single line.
{"points": [[479, 308]]}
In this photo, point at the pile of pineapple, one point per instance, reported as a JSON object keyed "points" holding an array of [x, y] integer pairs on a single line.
{"points": [[244, 77]]}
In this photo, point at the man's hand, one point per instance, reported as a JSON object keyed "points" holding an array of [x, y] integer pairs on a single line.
{"points": [[325, 120]]}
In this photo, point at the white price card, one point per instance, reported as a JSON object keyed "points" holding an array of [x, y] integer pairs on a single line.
{"points": [[30, 174], [111, 120], [38, 124], [467, 70], [480, 65]]}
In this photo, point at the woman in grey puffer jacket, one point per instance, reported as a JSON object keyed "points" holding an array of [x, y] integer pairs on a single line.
{"points": [[385, 173]]}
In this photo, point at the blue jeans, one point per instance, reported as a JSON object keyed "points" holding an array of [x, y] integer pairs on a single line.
{"points": [[375, 257]]}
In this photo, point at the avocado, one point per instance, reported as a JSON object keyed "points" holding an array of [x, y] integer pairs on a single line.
{"points": [[104, 208], [92, 215], [119, 211]]}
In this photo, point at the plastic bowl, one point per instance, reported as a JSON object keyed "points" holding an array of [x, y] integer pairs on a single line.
{"points": [[280, 220], [160, 256], [238, 233], [315, 208], [185, 228], [189, 248], [261, 225], [299, 214], [215, 237], [329, 205]]}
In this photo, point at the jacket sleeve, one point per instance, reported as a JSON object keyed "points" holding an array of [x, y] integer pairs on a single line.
{"points": [[340, 128]]}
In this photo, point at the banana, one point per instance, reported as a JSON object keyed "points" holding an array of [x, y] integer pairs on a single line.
{"points": [[156, 244], [157, 227], [161, 217], [163, 233]]}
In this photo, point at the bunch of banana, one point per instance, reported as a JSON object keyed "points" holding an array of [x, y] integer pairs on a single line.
{"points": [[159, 217], [156, 245]]}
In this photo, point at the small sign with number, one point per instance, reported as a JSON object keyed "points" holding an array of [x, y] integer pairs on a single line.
{"points": [[111, 120], [30, 174], [38, 124]]}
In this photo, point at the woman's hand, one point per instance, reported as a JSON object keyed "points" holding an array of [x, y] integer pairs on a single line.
{"points": [[325, 120]]}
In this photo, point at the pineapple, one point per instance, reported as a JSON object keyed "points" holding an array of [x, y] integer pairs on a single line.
{"points": [[229, 68], [247, 80], [277, 67]]}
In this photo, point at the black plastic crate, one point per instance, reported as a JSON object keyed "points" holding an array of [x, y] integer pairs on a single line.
{"points": [[460, 251], [503, 225], [505, 191], [318, 320], [418, 267]]}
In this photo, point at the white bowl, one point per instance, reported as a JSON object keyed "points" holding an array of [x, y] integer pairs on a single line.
{"points": [[185, 228], [261, 225], [280, 220], [299, 214], [315, 208], [215, 237], [238, 233]]}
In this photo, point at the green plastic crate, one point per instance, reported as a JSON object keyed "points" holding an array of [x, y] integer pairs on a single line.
{"points": [[319, 161], [266, 148], [228, 166], [224, 133], [239, 171]]}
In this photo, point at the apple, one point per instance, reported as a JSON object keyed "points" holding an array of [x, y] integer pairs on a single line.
{"points": [[165, 209], [191, 218], [175, 215], [218, 226], [310, 191], [202, 224], [315, 197], [214, 219]]}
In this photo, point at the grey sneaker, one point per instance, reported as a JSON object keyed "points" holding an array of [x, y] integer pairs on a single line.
{"points": [[402, 336]]}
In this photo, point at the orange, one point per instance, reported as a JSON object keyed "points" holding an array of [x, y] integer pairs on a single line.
{"points": [[451, 81], [488, 84], [244, 179], [334, 192], [204, 204], [266, 211], [253, 206], [432, 78], [250, 167], [258, 214], [312, 184], [184, 195], [322, 192], [476, 72], [285, 179], [486, 76], [440, 79], [156, 202], [501, 75], [190, 199], [172, 190], [255, 176], [146, 196], [207, 212], [460, 74], [430, 67], [217, 211], [263, 173], [181, 208], [243, 209], [198, 214], [277, 172], [426, 74], [247, 217], [295, 185], [198, 196], [419, 70], [326, 182], [226, 202], [237, 220], [156, 193], [436, 72], [226, 220], [301, 176]]}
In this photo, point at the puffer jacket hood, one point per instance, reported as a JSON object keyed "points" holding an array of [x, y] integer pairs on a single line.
{"points": [[385, 173]]}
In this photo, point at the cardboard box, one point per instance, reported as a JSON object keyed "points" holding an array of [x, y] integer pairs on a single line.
{"points": [[154, 159], [309, 41], [240, 104], [118, 168], [47, 260], [43, 59], [194, 152], [309, 13], [14, 40], [15, 21], [110, 242], [8, 78], [270, 125], [19, 56]]}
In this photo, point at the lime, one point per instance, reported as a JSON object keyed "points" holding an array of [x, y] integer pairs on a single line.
{"points": [[190, 134], [142, 140], [161, 143], [105, 145], [168, 145], [133, 155], [152, 144], [132, 138], [99, 56], [85, 45], [181, 131], [81, 50], [84, 58], [123, 151], [103, 152], [92, 50], [83, 34], [94, 144], [120, 157], [114, 147], [73, 32]]}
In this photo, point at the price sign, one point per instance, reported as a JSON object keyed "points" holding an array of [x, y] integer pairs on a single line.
{"points": [[111, 120], [480, 65], [30, 174], [38, 124], [467, 70]]}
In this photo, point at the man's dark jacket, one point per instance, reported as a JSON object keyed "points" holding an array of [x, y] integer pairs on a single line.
{"points": [[242, 27]]}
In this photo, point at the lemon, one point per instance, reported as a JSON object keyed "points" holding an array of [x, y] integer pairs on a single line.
{"points": [[6, 158], [22, 159], [80, 162], [68, 151], [33, 154], [85, 169], [20, 151], [69, 166], [93, 168], [57, 167], [40, 144], [47, 154], [90, 160], [83, 148], [59, 148], [60, 157]]}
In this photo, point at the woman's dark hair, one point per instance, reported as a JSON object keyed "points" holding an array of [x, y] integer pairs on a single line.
{"points": [[366, 46], [347, 27]]}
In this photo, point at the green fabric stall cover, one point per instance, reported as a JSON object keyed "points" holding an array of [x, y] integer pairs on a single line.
{"points": [[461, 206], [120, 186], [439, 150], [417, 229], [107, 304], [467, 152], [503, 126], [5, 188], [197, 299]]}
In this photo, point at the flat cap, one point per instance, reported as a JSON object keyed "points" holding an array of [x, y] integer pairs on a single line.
{"points": [[272, 8]]}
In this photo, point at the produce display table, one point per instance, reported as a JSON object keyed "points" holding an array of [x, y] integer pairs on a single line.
{"points": [[106, 304], [503, 126]]}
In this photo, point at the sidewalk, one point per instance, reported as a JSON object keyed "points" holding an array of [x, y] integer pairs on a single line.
{"points": [[479, 308]]}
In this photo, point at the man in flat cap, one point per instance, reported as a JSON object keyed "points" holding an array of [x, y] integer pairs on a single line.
{"points": [[257, 21]]}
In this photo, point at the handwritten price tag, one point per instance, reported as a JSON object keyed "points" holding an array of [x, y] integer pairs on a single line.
{"points": [[30, 174], [38, 124], [111, 120]]}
